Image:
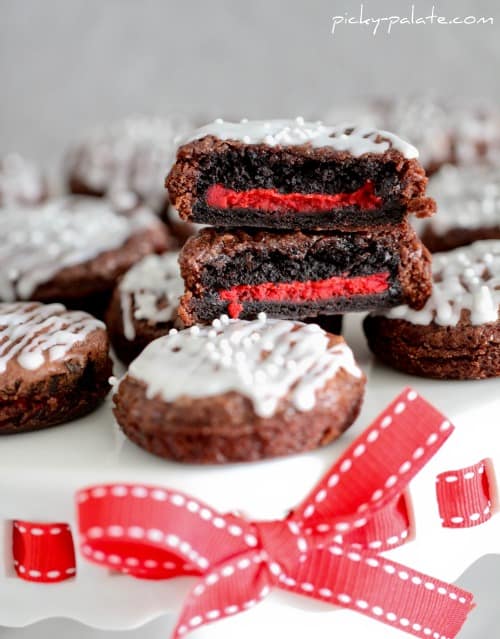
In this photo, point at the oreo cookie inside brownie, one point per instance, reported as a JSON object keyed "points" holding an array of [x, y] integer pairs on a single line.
{"points": [[73, 249], [292, 174], [54, 365], [457, 333], [239, 391], [144, 304], [298, 275]]}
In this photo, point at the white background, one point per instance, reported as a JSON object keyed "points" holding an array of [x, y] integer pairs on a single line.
{"points": [[67, 64]]}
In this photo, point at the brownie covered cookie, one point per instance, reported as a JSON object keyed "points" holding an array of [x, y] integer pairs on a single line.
{"points": [[21, 182], [240, 391], [54, 365], [144, 304], [457, 333], [72, 250], [129, 156], [298, 275], [292, 174], [469, 207]]}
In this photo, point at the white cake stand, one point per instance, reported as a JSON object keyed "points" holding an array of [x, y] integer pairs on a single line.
{"points": [[40, 473]]}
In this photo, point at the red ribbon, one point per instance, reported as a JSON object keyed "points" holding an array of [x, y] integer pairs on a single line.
{"points": [[325, 549], [43, 552], [464, 496]]}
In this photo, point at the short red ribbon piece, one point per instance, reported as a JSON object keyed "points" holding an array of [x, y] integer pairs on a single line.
{"points": [[327, 548], [464, 496], [43, 552]]}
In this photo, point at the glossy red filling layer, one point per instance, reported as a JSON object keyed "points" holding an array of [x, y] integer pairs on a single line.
{"points": [[272, 201], [308, 291]]}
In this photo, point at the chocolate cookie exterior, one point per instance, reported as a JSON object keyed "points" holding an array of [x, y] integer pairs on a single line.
{"points": [[291, 174], [54, 365], [298, 275], [457, 334], [129, 156], [21, 182], [72, 250], [240, 391], [469, 208], [144, 304]]}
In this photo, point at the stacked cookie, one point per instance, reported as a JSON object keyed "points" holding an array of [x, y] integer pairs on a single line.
{"points": [[307, 220]]}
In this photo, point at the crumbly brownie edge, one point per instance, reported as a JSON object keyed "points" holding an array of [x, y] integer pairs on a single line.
{"points": [[225, 428], [439, 352]]}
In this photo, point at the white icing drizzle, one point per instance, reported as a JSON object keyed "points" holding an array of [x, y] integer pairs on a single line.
{"points": [[264, 360], [38, 242], [466, 279], [421, 119], [130, 156], [467, 198], [33, 333], [356, 140], [21, 182], [150, 291]]}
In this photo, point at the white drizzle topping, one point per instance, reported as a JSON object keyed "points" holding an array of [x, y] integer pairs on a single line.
{"points": [[264, 360], [467, 198], [150, 290], [356, 140], [130, 156], [38, 242], [421, 119], [466, 279], [33, 333], [21, 182]]}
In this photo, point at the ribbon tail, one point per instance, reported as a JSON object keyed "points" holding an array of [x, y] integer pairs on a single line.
{"points": [[383, 590], [230, 588]]}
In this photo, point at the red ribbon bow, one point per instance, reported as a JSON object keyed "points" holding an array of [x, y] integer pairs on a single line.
{"points": [[325, 549]]}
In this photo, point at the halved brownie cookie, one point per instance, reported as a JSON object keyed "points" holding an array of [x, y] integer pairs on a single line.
{"points": [[292, 174], [299, 275]]}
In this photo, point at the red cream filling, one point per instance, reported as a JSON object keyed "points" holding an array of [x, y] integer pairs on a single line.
{"points": [[311, 290], [272, 201]]}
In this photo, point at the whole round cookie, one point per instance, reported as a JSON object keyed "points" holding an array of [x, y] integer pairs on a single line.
{"points": [[128, 156], [72, 250], [144, 304], [240, 391], [54, 365], [468, 201], [457, 333], [21, 182]]}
